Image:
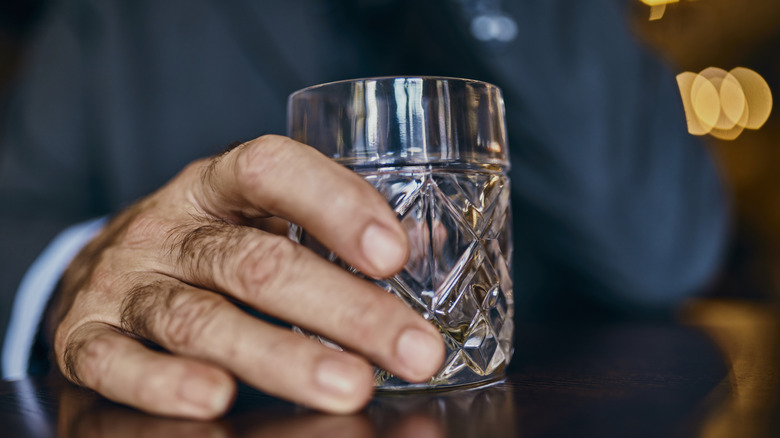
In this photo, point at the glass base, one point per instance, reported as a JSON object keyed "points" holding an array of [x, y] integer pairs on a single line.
{"points": [[403, 387]]}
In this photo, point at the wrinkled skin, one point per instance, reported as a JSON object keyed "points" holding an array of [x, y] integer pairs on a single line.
{"points": [[148, 314]]}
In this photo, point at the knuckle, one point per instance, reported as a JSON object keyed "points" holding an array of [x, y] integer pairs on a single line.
{"points": [[147, 390], [202, 249], [138, 309], [260, 159], [87, 361], [268, 145], [276, 347], [188, 320], [96, 359], [267, 263]]}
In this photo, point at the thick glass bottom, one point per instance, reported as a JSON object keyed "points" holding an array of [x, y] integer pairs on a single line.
{"points": [[413, 388]]}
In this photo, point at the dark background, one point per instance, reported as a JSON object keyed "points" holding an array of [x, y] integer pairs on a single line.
{"points": [[691, 35], [694, 35]]}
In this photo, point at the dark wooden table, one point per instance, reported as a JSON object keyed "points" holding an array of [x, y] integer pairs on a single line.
{"points": [[712, 374]]}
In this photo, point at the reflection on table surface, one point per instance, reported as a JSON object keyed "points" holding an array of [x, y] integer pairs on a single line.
{"points": [[713, 375], [748, 336]]}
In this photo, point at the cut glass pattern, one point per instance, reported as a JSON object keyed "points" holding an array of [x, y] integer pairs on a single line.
{"points": [[458, 274]]}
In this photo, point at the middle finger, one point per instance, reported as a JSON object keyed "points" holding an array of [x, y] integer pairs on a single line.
{"points": [[285, 280]]}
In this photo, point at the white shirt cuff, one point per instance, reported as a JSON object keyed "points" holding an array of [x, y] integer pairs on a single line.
{"points": [[34, 291]]}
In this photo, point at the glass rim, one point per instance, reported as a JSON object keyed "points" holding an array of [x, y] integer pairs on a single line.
{"points": [[391, 77], [402, 120]]}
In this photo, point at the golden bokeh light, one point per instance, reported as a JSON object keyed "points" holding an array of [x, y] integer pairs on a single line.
{"points": [[658, 2], [685, 83], [706, 102], [734, 102], [657, 12], [758, 96], [657, 7], [724, 103]]}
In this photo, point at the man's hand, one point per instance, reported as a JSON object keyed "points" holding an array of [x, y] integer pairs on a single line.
{"points": [[147, 313]]}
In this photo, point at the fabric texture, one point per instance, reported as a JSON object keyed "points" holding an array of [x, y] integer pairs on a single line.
{"points": [[34, 291]]}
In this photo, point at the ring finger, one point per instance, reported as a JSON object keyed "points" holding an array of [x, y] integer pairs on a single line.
{"points": [[204, 325]]}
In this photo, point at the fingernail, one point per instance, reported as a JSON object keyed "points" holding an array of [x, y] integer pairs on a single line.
{"points": [[207, 396], [344, 383], [420, 352], [335, 377], [383, 248]]}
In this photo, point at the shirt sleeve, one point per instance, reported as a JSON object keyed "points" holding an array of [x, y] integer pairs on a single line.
{"points": [[34, 292]]}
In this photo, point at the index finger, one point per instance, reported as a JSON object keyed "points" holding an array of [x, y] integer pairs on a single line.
{"points": [[275, 175]]}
